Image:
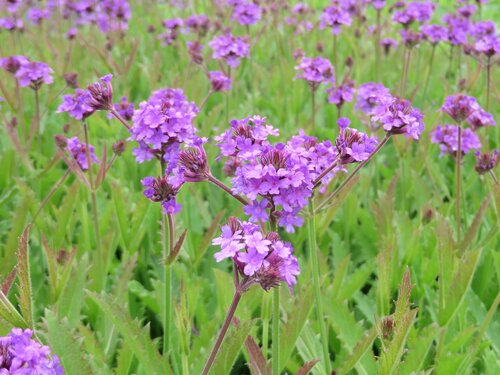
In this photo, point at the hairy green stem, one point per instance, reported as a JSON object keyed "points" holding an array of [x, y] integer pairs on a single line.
{"points": [[226, 188], [276, 331], [313, 253], [457, 182]]}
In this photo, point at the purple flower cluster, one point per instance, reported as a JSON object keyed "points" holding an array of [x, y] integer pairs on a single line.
{"points": [[341, 94], [262, 259], [28, 73], [352, 145], [124, 108], [371, 95], [21, 355], [229, 48], [458, 27], [414, 12], [434, 33], [486, 161], [315, 71], [462, 107], [163, 190], [78, 151], [398, 117], [299, 19], [245, 12], [388, 44], [173, 28], [334, 17], [161, 123], [77, 105], [219, 81], [447, 138]]}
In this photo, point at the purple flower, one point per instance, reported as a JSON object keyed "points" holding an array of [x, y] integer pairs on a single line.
{"points": [[414, 12], [486, 161], [387, 44], [193, 165], [11, 23], [458, 28], [77, 105], [434, 33], [124, 108], [259, 258], [410, 38], [36, 15], [161, 189], [482, 28], [172, 29], [459, 107], [220, 82], [34, 74], [488, 45], [195, 50], [112, 15], [13, 63], [101, 94], [341, 94], [334, 17], [300, 19], [20, 354], [399, 117], [352, 145], [480, 118], [246, 13], [78, 151], [315, 71], [258, 211], [229, 48], [370, 95], [198, 24], [162, 123], [447, 138]]}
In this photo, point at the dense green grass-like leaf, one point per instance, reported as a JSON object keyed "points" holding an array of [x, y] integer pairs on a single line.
{"points": [[25, 297]]}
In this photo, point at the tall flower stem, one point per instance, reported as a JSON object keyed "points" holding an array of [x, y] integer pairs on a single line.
{"points": [[335, 52], [99, 255], [119, 117], [227, 321], [51, 193], [313, 106], [276, 331], [429, 71], [318, 179], [226, 188], [404, 77], [313, 253], [457, 182], [36, 120], [377, 47], [494, 177], [353, 173], [488, 83]]}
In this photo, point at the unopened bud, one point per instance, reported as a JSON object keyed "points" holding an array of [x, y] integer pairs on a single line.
{"points": [[119, 147], [61, 141]]}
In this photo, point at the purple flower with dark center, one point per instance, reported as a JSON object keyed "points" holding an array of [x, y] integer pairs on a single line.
{"points": [[260, 259], [480, 118], [434, 33], [172, 29], [352, 145], [341, 94], [410, 38], [467, 11], [36, 15], [300, 19], [21, 355], [447, 138], [258, 211], [334, 17], [112, 15], [488, 45], [458, 28], [195, 50], [459, 107], [101, 94], [229, 48], [33, 74], [486, 161], [77, 105], [161, 189], [124, 108], [387, 44], [371, 95], [162, 123], [482, 28], [13, 63], [79, 152], [315, 71], [399, 117], [199, 24], [246, 13], [220, 82], [377, 4], [414, 12], [11, 24]]}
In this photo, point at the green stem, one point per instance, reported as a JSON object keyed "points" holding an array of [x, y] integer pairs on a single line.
{"points": [[427, 80], [265, 324], [458, 171], [313, 95], [377, 47], [488, 83], [276, 330], [313, 253], [404, 78], [335, 53]]}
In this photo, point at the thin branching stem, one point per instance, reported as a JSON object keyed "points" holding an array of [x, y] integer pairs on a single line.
{"points": [[119, 117], [50, 194], [226, 188], [457, 181], [276, 331]]}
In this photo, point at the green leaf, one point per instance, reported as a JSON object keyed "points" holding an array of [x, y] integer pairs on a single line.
{"points": [[230, 347], [23, 268], [357, 353], [63, 342], [71, 299], [142, 346], [474, 227], [9, 313]]}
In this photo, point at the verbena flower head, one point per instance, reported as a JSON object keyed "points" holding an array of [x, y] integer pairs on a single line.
{"points": [[458, 28], [124, 108], [410, 38], [161, 123], [482, 28], [77, 105], [480, 118], [315, 71], [162, 190], [13, 63], [260, 258], [172, 30], [246, 12], [399, 117], [352, 145], [459, 107], [101, 94], [220, 82], [388, 44], [21, 355], [300, 19], [195, 50], [199, 24], [341, 94], [37, 15], [229, 48], [78, 150], [447, 138], [488, 45], [371, 95], [486, 161], [434, 33], [414, 12], [33, 74], [112, 15], [11, 24], [193, 164], [334, 17], [377, 4]]}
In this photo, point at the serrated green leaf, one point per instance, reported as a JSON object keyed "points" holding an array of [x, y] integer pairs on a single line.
{"points": [[359, 350], [9, 313]]}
